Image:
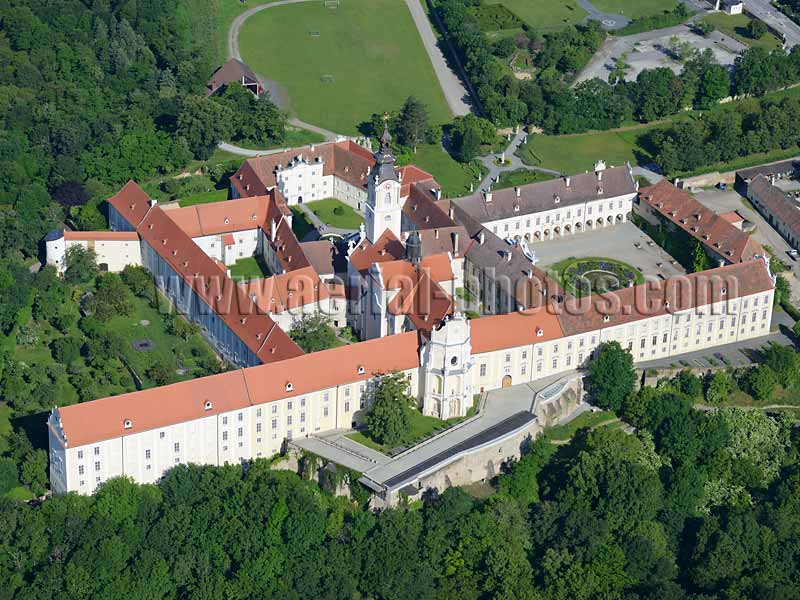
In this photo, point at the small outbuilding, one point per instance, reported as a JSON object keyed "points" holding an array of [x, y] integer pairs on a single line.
{"points": [[234, 71]]}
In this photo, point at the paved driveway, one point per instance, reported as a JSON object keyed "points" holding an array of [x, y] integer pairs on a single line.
{"points": [[764, 10], [617, 242]]}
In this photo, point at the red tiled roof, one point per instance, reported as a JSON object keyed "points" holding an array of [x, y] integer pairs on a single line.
{"points": [[209, 282], [775, 201], [422, 300], [395, 273], [513, 330], [386, 248], [660, 297], [701, 223], [222, 217], [131, 202], [150, 409], [288, 291]]}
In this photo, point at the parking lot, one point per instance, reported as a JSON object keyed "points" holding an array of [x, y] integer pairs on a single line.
{"points": [[618, 242]]}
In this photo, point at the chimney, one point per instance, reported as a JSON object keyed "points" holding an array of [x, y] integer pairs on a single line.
{"points": [[273, 229], [487, 196], [436, 233], [517, 191], [312, 147], [451, 212], [368, 170], [438, 192], [529, 273], [599, 176], [400, 176], [455, 243], [567, 180], [508, 256], [481, 238]]}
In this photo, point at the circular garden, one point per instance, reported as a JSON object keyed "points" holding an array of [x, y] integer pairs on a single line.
{"points": [[586, 276]]}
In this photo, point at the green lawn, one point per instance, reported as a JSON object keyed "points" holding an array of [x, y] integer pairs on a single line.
{"points": [[578, 153], [335, 213], [204, 198], [634, 9], [619, 268], [582, 421], [545, 14], [453, 176], [736, 27], [421, 427], [520, 177], [300, 223], [294, 137], [364, 57], [249, 268]]}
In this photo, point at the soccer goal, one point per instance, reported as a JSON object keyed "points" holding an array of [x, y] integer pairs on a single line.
{"points": [[328, 79], [314, 34], [331, 3]]}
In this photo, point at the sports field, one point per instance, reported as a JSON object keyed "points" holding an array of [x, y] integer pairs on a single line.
{"points": [[633, 9], [339, 66], [544, 14]]}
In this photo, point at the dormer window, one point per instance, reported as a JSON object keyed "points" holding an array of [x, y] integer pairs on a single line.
{"points": [[724, 291], [361, 370], [127, 424], [606, 318], [539, 332], [227, 221], [289, 386], [207, 405], [557, 199]]}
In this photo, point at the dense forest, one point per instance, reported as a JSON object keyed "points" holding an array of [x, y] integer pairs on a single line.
{"points": [[549, 102], [693, 504], [95, 93]]}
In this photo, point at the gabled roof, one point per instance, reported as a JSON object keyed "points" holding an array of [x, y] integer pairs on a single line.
{"points": [[701, 223], [222, 217], [425, 303], [396, 273], [153, 408], [661, 297], [513, 330], [208, 280], [386, 248], [776, 202], [549, 195], [288, 291], [233, 70]]}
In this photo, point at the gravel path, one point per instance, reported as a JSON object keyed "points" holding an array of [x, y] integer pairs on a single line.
{"points": [[454, 91]]}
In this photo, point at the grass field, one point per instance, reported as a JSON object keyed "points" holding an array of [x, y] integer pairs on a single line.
{"points": [[335, 213], [520, 177], [422, 426], [370, 71], [634, 9], [617, 267], [582, 421], [453, 176], [204, 198], [542, 14], [736, 27], [249, 268], [579, 153]]}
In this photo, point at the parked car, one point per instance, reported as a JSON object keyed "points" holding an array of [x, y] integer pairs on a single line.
{"points": [[722, 186]]}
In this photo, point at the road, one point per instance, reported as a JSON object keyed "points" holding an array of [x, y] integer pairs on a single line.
{"points": [[514, 162], [454, 91], [764, 10], [609, 20]]}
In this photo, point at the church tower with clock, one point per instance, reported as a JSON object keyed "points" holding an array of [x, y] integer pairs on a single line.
{"points": [[383, 207]]}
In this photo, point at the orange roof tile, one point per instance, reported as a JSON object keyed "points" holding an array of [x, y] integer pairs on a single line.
{"points": [[288, 291], [131, 202], [104, 419], [386, 248], [514, 329], [701, 223], [150, 409]]}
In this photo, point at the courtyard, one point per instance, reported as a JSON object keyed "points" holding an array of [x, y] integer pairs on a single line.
{"points": [[624, 242]]}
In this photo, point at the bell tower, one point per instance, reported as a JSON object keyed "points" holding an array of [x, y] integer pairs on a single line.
{"points": [[383, 209]]}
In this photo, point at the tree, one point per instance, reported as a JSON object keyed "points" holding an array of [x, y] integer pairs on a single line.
{"points": [[71, 193], [314, 333], [112, 298], [181, 327], [161, 373], [718, 387], [782, 290], [81, 264], [612, 376], [621, 68], [66, 350], [413, 123], [784, 362], [203, 123], [756, 29], [715, 84], [138, 279], [389, 415], [761, 383], [700, 260], [757, 438]]}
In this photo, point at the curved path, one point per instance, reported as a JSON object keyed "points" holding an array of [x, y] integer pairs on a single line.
{"points": [[608, 20], [454, 91]]}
